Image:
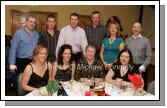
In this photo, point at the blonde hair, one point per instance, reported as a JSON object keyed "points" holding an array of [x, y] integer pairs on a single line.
{"points": [[113, 23], [37, 50]]}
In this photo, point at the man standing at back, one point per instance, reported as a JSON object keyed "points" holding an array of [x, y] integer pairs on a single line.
{"points": [[74, 36], [96, 32], [141, 51], [23, 43], [49, 37]]}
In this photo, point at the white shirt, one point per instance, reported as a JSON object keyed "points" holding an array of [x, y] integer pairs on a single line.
{"points": [[75, 37]]}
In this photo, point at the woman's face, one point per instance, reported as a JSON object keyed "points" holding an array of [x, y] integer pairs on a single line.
{"points": [[90, 53], [42, 55], [113, 29], [124, 58], [66, 55]]}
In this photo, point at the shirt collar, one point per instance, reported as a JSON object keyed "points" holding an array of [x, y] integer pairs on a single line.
{"points": [[96, 26], [136, 37], [73, 29]]}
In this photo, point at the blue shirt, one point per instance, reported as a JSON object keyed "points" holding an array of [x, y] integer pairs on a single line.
{"points": [[23, 45], [111, 50]]}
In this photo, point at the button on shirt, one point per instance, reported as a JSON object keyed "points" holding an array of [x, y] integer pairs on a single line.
{"points": [[75, 37], [96, 35], [23, 45], [140, 48], [50, 41]]}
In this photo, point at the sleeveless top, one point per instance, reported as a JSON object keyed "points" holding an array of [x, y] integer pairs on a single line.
{"points": [[38, 81], [64, 75]]}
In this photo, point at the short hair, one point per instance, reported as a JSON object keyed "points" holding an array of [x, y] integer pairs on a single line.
{"points": [[30, 16], [37, 50], [113, 23], [74, 14], [130, 56], [51, 16], [90, 46], [137, 22], [95, 12], [61, 51]]}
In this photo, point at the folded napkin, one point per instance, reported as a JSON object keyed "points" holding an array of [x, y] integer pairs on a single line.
{"points": [[137, 80], [53, 86]]}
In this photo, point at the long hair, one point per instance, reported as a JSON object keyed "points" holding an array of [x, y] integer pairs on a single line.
{"points": [[109, 25], [37, 50], [61, 51], [130, 56]]}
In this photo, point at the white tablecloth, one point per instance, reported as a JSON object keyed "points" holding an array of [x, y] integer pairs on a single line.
{"points": [[78, 89]]}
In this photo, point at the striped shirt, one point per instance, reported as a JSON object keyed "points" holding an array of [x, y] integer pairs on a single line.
{"points": [[140, 48], [50, 42], [96, 35]]}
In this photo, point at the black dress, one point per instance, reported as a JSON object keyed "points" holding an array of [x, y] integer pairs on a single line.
{"points": [[38, 81], [64, 75], [131, 70]]}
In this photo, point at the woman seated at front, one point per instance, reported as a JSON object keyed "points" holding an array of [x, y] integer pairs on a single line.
{"points": [[38, 72], [122, 67], [64, 67], [89, 66]]}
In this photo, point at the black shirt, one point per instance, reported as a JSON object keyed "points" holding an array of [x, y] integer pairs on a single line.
{"points": [[64, 75], [131, 70], [38, 81], [50, 42]]}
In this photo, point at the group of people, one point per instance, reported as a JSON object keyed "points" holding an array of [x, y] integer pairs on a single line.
{"points": [[75, 52]]}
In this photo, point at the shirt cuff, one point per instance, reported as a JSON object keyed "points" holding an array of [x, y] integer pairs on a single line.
{"points": [[143, 68]]}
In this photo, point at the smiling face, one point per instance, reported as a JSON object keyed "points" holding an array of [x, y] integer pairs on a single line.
{"points": [[66, 55], [40, 53], [74, 21], [136, 29], [125, 58], [113, 29], [51, 22], [90, 53], [42, 56], [31, 23]]}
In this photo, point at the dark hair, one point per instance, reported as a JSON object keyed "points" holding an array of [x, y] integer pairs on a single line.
{"points": [[61, 51], [7, 40], [95, 12], [74, 14], [130, 56], [50, 16]]}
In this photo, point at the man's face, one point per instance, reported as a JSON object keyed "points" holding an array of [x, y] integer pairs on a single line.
{"points": [[51, 22], [136, 28], [74, 21], [31, 23], [95, 19]]}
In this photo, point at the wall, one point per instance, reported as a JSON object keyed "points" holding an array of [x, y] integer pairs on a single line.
{"points": [[148, 24], [127, 14]]}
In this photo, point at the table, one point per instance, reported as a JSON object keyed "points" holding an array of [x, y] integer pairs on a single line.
{"points": [[78, 89]]}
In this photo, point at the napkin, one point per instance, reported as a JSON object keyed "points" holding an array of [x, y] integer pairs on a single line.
{"points": [[53, 86]]}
